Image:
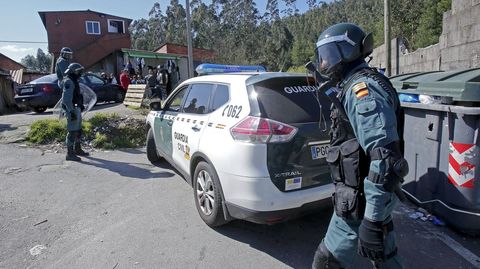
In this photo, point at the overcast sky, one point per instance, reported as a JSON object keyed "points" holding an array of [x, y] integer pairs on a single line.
{"points": [[20, 20]]}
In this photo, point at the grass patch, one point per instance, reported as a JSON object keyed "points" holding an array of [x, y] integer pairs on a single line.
{"points": [[105, 131], [47, 131]]}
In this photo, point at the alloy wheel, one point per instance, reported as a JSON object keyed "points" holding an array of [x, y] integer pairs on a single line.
{"points": [[205, 192]]}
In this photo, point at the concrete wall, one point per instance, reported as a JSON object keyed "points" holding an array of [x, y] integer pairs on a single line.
{"points": [[460, 40], [458, 47]]}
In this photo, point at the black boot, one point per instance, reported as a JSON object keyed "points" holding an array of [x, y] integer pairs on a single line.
{"points": [[71, 155], [79, 151]]}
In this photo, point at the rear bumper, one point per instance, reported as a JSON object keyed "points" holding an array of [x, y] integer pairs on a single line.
{"points": [[36, 100], [271, 217], [261, 195]]}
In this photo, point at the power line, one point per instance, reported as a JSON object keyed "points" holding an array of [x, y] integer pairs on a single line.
{"points": [[23, 42]]}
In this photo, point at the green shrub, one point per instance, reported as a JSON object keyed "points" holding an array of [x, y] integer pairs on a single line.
{"points": [[47, 131], [101, 119]]}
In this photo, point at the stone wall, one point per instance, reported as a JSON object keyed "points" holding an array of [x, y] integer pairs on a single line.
{"points": [[458, 47]]}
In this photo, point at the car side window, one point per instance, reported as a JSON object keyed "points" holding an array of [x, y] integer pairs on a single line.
{"points": [[198, 98], [176, 102], [220, 97]]}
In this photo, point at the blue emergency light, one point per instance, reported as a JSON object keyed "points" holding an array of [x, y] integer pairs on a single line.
{"points": [[205, 69]]}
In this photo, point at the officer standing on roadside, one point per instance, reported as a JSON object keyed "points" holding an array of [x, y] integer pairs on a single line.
{"points": [[365, 155], [66, 55], [72, 104]]}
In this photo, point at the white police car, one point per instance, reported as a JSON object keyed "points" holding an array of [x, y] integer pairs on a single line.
{"points": [[252, 145]]}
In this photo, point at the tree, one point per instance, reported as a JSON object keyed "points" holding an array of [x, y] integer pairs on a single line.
{"points": [[280, 37], [430, 26], [40, 63]]}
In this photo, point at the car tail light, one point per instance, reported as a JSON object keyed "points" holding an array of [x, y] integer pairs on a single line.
{"points": [[48, 88], [261, 130]]}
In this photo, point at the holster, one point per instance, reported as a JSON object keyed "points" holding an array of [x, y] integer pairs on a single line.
{"points": [[349, 166]]}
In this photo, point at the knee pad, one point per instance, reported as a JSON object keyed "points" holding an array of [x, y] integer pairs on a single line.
{"points": [[323, 259]]}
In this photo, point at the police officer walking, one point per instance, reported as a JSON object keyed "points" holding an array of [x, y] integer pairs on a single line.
{"points": [[365, 155], [66, 55], [72, 104]]}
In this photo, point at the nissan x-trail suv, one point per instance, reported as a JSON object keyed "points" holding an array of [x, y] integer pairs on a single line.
{"points": [[252, 146]]}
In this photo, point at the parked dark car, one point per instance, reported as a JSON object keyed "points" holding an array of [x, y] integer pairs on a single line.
{"points": [[44, 92]]}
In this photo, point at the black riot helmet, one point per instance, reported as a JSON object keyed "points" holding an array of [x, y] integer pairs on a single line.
{"points": [[339, 47], [74, 69], [66, 53]]}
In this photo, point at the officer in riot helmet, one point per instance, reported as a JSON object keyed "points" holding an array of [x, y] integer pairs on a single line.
{"points": [[365, 155], [66, 55], [72, 104]]}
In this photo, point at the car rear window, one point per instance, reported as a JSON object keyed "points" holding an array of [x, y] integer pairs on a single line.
{"points": [[289, 100], [220, 96]]}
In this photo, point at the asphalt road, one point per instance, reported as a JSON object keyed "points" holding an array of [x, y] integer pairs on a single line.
{"points": [[115, 210]]}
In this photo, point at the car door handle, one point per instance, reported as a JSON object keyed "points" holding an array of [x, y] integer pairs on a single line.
{"points": [[196, 128]]}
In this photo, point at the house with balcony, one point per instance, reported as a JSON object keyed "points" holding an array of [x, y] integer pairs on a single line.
{"points": [[96, 38]]}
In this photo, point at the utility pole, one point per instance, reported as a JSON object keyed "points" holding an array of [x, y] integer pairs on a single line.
{"points": [[189, 40], [388, 50]]}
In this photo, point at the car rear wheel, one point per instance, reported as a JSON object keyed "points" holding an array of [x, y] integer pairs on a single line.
{"points": [[119, 97], [40, 109], [208, 198], [152, 154]]}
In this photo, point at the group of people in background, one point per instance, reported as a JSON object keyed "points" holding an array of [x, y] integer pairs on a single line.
{"points": [[109, 78], [160, 79]]}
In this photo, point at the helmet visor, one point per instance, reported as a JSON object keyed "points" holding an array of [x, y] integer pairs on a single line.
{"points": [[328, 56], [67, 55]]}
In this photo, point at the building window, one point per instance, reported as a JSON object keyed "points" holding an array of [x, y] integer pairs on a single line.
{"points": [[93, 27], [116, 26]]}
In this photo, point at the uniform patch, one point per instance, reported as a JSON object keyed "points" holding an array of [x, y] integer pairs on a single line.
{"points": [[360, 89]]}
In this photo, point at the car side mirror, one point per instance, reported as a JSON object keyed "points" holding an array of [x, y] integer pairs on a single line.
{"points": [[156, 105]]}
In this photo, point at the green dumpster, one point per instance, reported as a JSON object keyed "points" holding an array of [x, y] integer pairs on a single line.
{"points": [[442, 145]]}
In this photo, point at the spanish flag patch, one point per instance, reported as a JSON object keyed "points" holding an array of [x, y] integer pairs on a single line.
{"points": [[360, 89]]}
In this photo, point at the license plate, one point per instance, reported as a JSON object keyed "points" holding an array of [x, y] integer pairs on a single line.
{"points": [[27, 90], [319, 151]]}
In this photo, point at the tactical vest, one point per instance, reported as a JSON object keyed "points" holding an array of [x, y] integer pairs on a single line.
{"points": [[349, 165]]}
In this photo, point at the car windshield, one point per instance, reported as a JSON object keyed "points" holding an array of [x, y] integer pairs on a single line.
{"points": [[45, 79]]}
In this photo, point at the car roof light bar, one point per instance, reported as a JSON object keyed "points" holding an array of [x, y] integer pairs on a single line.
{"points": [[207, 69]]}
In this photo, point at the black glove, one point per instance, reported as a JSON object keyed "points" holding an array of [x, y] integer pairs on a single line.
{"points": [[371, 236], [73, 115], [82, 107]]}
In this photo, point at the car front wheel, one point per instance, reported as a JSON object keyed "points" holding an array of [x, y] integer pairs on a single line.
{"points": [[152, 154], [119, 97], [208, 198]]}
